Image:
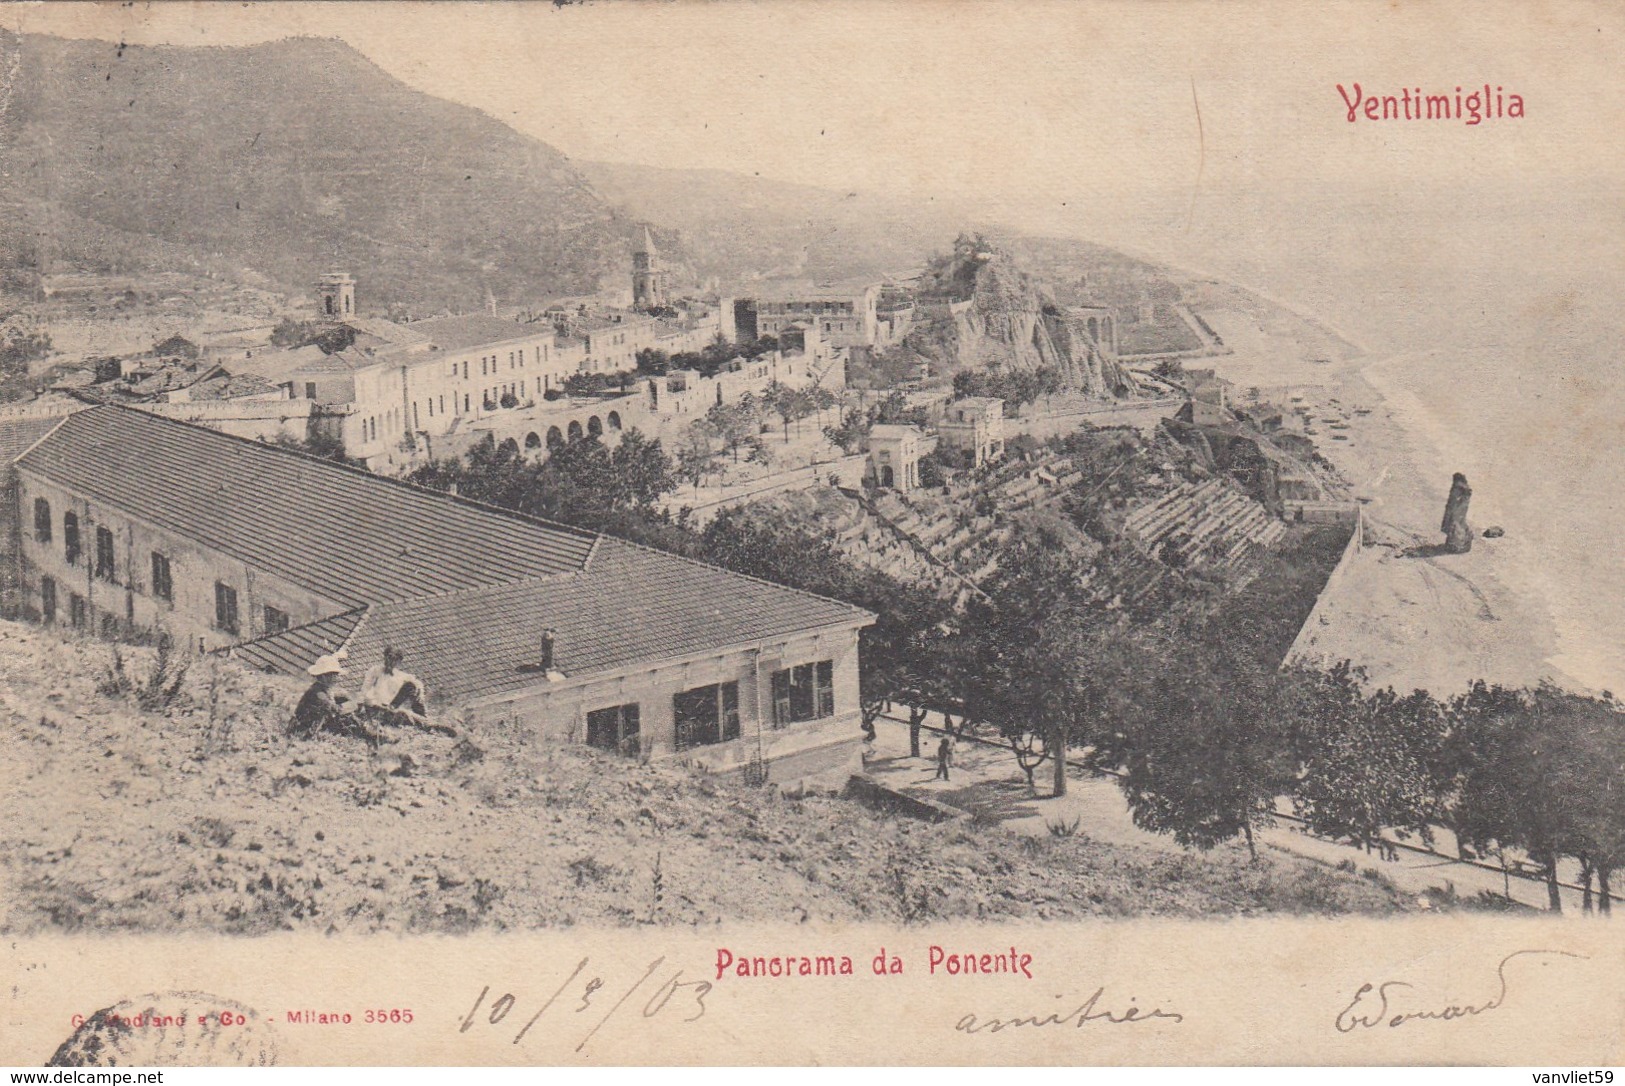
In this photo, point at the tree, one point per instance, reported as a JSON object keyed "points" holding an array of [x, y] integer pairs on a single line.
{"points": [[653, 362], [821, 399], [734, 425], [1040, 654], [1014, 386], [1367, 759], [1539, 770], [583, 483], [895, 410], [790, 404], [759, 452], [1505, 797], [694, 453], [21, 347], [1585, 745], [587, 384], [850, 432], [320, 444], [329, 336], [1207, 750]]}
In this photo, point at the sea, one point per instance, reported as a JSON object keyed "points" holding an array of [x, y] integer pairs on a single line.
{"points": [[1494, 325]]}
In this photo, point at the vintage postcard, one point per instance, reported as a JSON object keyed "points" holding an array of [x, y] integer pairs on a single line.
{"points": [[905, 532]]}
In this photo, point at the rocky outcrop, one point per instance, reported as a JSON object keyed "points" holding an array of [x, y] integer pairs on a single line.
{"points": [[1011, 320], [1458, 537]]}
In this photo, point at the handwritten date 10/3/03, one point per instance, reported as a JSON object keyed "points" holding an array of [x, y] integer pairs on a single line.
{"points": [[583, 993]]}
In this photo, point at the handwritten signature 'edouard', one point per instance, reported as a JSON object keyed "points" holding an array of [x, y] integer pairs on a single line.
{"points": [[1380, 1004]]}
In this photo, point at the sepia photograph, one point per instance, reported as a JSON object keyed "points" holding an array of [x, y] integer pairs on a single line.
{"points": [[875, 528]]}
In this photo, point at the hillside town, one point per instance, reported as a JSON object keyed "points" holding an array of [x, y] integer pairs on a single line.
{"points": [[121, 553], [896, 544], [383, 520]]}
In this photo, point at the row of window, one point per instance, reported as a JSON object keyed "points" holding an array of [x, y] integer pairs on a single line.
{"points": [[807, 307], [369, 425], [72, 547], [516, 359], [710, 714], [162, 584]]}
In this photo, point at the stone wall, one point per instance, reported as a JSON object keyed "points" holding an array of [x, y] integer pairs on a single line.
{"points": [[127, 598], [1301, 645]]}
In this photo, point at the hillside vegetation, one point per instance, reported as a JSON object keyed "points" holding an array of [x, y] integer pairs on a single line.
{"points": [[200, 815], [739, 227], [283, 159]]}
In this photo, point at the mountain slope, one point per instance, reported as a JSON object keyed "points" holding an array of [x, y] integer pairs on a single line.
{"points": [[284, 159], [739, 227]]}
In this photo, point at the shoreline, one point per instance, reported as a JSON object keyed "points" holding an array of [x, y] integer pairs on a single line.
{"points": [[1438, 622]]}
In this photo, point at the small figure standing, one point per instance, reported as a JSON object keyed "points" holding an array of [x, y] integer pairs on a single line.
{"points": [[1458, 537], [945, 758]]}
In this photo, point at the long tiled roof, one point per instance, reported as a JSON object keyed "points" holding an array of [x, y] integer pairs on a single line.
{"points": [[17, 434], [630, 606], [474, 330], [227, 388], [351, 537], [400, 335], [292, 651], [279, 365]]}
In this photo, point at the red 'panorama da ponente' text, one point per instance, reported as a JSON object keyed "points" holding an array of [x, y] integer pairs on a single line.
{"points": [[939, 961], [1475, 106]]}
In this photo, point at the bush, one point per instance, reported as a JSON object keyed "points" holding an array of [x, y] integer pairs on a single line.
{"points": [[161, 686]]}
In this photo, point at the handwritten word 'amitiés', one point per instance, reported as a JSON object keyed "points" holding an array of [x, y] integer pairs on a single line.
{"points": [[1091, 1010], [1410, 104], [939, 961]]}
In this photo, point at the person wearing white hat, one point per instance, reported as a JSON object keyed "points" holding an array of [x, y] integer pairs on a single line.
{"points": [[322, 709]]}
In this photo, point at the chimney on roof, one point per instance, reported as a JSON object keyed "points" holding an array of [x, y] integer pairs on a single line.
{"points": [[547, 650]]}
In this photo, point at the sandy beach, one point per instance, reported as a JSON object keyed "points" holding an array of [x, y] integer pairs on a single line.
{"points": [[1435, 622]]}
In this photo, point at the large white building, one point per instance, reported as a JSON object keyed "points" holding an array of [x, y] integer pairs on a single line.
{"points": [[401, 386], [401, 392], [844, 312]]}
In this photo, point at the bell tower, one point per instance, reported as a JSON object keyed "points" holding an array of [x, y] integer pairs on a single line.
{"points": [[335, 296], [648, 275]]}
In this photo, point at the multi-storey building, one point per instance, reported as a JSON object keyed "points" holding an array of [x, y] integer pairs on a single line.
{"points": [[399, 387], [974, 429], [844, 313]]}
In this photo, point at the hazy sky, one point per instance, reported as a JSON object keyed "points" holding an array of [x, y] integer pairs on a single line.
{"points": [[1078, 118]]}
